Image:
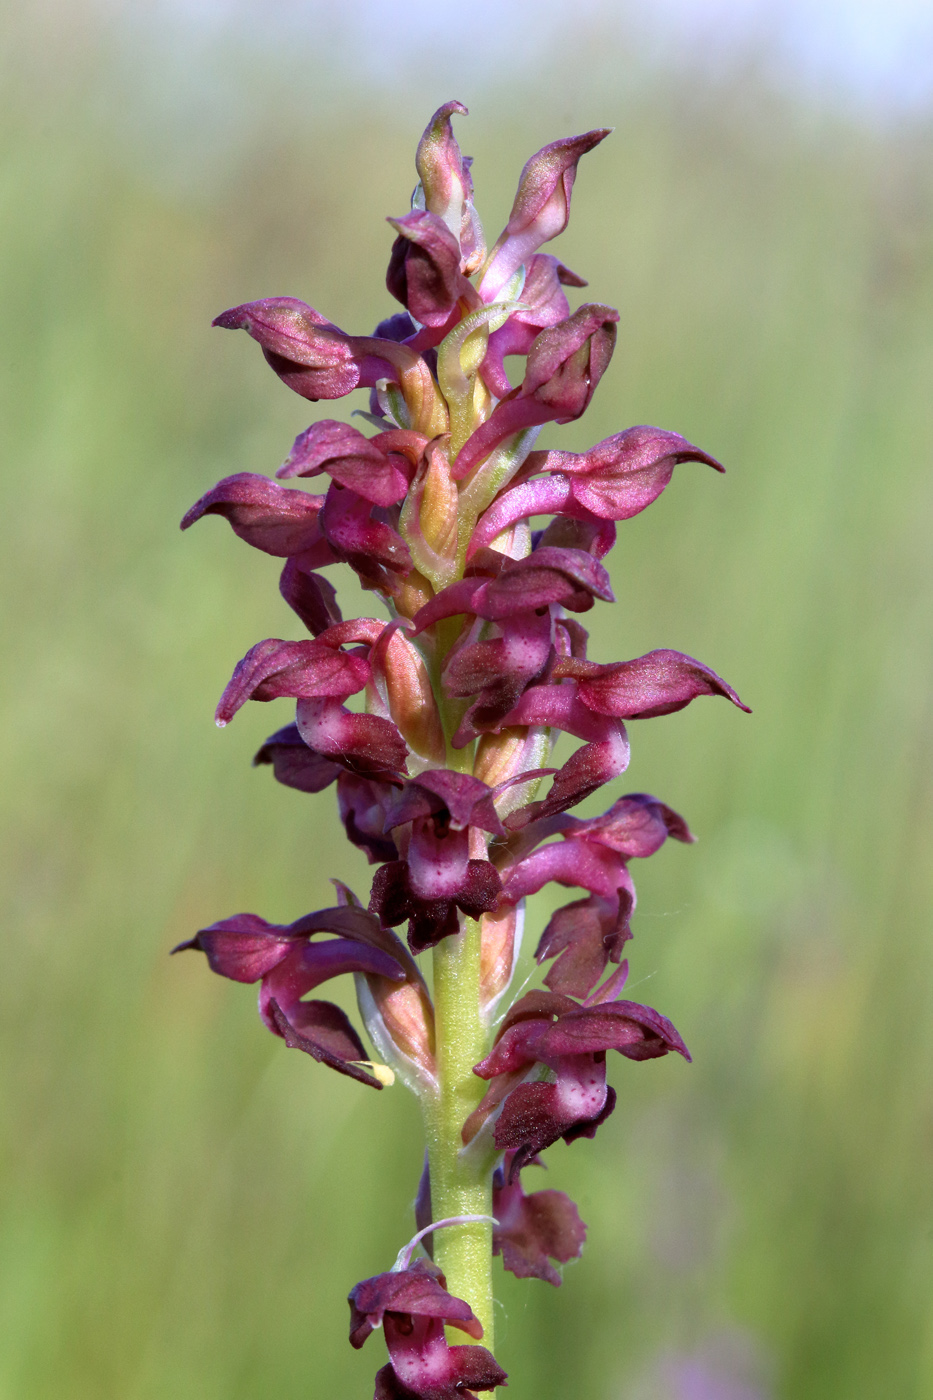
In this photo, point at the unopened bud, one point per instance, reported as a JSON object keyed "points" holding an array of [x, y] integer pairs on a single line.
{"points": [[541, 209], [445, 183], [446, 187]]}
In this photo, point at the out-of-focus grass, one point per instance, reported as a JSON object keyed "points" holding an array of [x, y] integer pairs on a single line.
{"points": [[185, 1204]]}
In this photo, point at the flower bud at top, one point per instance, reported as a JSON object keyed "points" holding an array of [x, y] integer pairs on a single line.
{"points": [[447, 186], [542, 206]]}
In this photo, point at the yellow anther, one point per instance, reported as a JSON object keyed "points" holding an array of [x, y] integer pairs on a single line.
{"points": [[385, 1075]]}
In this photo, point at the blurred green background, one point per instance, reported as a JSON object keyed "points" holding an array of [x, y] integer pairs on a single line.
{"points": [[185, 1205]]}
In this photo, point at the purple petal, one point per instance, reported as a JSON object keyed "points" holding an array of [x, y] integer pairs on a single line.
{"points": [[448, 187], [438, 861], [309, 964], [611, 989], [542, 200], [445, 1373], [576, 528], [510, 416], [498, 670], [586, 1127], [424, 1365], [424, 268], [294, 764], [540, 497], [439, 869], [417, 1291], [590, 866], [390, 896], [365, 744], [559, 707], [481, 890], [457, 598], [543, 304], [466, 800], [363, 803], [567, 361], [313, 598], [312, 963], [368, 545], [541, 208], [271, 518], [564, 366], [350, 459], [623, 474], [655, 684], [319, 361], [584, 937], [400, 328], [243, 947], [586, 770], [534, 1116], [325, 1033], [307, 352], [393, 899], [638, 1032], [471, 1369], [440, 166], [636, 826], [570, 577], [534, 1229], [356, 923], [273, 669], [536, 1006], [517, 1046]]}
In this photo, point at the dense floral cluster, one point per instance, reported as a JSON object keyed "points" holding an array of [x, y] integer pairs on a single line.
{"points": [[441, 778]]}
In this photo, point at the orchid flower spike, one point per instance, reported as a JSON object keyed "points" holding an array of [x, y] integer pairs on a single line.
{"points": [[435, 720]]}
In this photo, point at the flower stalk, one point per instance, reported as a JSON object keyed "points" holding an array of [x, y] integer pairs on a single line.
{"points": [[459, 1185], [479, 667]]}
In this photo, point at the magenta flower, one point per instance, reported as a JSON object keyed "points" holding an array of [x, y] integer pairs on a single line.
{"points": [[436, 721], [531, 1230], [549, 1032], [412, 1306]]}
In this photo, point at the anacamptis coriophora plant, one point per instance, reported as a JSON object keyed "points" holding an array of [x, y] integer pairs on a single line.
{"points": [[444, 779]]}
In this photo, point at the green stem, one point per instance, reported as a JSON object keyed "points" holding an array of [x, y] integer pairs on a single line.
{"points": [[464, 1252]]}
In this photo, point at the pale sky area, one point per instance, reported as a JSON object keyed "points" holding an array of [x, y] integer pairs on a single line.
{"points": [[876, 51]]}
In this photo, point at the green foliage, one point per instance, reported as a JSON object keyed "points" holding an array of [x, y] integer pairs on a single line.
{"points": [[185, 1204]]}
